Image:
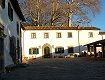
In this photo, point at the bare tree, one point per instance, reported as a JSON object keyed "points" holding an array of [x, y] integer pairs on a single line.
{"points": [[83, 10], [60, 12]]}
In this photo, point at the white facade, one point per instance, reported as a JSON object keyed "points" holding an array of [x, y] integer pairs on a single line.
{"points": [[77, 41], [102, 34], [10, 30]]}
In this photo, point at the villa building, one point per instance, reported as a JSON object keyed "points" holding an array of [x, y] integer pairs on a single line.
{"points": [[10, 42], [49, 41]]}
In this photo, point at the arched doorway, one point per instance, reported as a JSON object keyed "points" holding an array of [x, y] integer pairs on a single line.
{"points": [[46, 51]]}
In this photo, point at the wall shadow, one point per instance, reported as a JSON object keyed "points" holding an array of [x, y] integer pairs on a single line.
{"points": [[78, 51]]}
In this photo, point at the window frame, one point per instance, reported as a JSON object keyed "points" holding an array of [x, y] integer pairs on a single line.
{"points": [[90, 34], [59, 50], [58, 35], [33, 35], [70, 36], [33, 51], [46, 35]]}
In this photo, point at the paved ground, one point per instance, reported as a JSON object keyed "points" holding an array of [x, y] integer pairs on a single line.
{"points": [[60, 69]]}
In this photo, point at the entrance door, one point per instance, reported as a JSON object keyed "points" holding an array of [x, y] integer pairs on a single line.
{"points": [[47, 52], [1, 54]]}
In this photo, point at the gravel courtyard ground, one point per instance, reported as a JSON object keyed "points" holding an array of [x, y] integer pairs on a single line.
{"points": [[60, 69]]}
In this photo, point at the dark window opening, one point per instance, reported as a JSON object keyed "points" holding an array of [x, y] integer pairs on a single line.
{"points": [[18, 29], [70, 50], [10, 12]]}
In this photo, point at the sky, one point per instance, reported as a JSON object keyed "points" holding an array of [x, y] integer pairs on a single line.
{"points": [[99, 20]]}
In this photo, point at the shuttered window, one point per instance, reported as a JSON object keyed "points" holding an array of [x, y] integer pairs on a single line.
{"points": [[33, 51], [59, 50], [29, 51]]}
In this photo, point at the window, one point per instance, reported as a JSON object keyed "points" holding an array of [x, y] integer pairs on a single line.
{"points": [[33, 51], [46, 35], [70, 50], [10, 12], [17, 28], [90, 34], [2, 3], [33, 35], [69, 35], [59, 50], [58, 35]]}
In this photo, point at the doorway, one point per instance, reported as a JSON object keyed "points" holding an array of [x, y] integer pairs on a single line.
{"points": [[47, 52]]}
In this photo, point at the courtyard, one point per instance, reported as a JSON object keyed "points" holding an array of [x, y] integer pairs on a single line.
{"points": [[60, 69]]}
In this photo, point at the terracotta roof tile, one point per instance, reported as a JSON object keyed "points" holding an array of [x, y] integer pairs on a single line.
{"points": [[101, 33], [58, 28]]}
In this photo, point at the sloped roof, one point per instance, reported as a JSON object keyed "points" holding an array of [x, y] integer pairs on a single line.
{"points": [[58, 28], [97, 42], [16, 7], [101, 33]]}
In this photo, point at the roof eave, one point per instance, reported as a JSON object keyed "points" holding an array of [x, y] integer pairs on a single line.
{"points": [[16, 7]]}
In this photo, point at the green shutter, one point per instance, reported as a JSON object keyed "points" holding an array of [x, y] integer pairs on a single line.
{"points": [[37, 51], [29, 51]]}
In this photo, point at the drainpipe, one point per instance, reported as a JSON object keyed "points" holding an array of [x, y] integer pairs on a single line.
{"points": [[78, 39]]}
